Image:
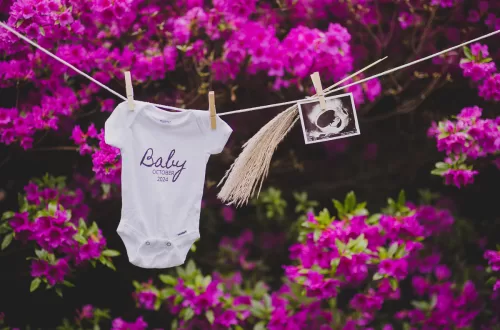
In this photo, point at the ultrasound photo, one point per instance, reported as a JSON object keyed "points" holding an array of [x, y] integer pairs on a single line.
{"points": [[337, 121]]}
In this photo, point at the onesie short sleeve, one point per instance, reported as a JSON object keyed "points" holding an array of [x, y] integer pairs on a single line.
{"points": [[114, 127], [215, 139]]}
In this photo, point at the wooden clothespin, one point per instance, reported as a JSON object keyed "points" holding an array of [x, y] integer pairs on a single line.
{"points": [[319, 90], [211, 107], [129, 90]]}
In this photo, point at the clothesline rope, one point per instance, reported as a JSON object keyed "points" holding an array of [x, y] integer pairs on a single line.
{"points": [[327, 90]]}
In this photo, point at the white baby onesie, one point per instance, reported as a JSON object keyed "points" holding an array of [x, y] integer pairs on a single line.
{"points": [[164, 157]]}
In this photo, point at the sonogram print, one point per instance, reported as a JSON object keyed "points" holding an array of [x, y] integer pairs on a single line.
{"points": [[337, 121]]}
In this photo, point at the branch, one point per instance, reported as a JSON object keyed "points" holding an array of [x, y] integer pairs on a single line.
{"points": [[70, 148]]}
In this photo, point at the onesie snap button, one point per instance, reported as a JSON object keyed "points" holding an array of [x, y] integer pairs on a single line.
{"points": [[168, 243], [147, 243]]}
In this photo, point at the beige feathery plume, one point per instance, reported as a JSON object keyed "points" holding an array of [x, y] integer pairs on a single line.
{"points": [[252, 166]]}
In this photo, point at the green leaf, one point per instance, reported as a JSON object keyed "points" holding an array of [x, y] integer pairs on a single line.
{"points": [[392, 249], [258, 309], [7, 215], [82, 224], [468, 53], [340, 245], [42, 31], [174, 325], [377, 276], [168, 279], [260, 326], [382, 253], [188, 314], [373, 219], [317, 234], [59, 292], [433, 301], [267, 302], [421, 305], [110, 253], [94, 229], [109, 264], [41, 254], [69, 284], [177, 300], [350, 202], [7, 240], [35, 284], [442, 165], [190, 268], [80, 239], [394, 283], [180, 271], [324, 217], [401, 198], [438, 171], [23, 203], [19, 22], [361, 244], [339, 207], [210, 316], [52, 207]]}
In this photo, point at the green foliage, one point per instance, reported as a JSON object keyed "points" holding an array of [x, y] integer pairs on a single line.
{"points": [[272, 203], [304, 205], [7, 240], [93, 323], [397, 208], [441, 168], [350, 207]]}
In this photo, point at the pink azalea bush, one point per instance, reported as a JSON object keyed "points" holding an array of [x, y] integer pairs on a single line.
{"points": [[467, 138], [52, 218], [374, 254], [92, 317], [354, 270]]}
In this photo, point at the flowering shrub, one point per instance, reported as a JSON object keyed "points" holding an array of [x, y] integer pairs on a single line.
{"points": [[374, 254], [105, 158], [468, 138], [203, 301], [478, 66], [90, 317], [53, 219], [493, 258], [237, 41], [354, 270]]}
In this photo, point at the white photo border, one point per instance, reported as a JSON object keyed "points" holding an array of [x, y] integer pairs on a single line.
{"points": [[358, 132]]}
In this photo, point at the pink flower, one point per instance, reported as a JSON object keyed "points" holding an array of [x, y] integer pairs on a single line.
{"points": [[120, 324], [87, 312], [442, 272], [88, 251], [227, 318], [65, 18], [228, 213], [397, 268], [459, 178], [496, 287], [39, 268], [57, 272], [147, 299]]}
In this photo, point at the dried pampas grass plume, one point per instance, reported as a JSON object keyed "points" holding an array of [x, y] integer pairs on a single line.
{"points": [[252, 166]]}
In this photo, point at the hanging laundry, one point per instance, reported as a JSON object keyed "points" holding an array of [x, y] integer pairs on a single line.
{"points": [[164, 157]]}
